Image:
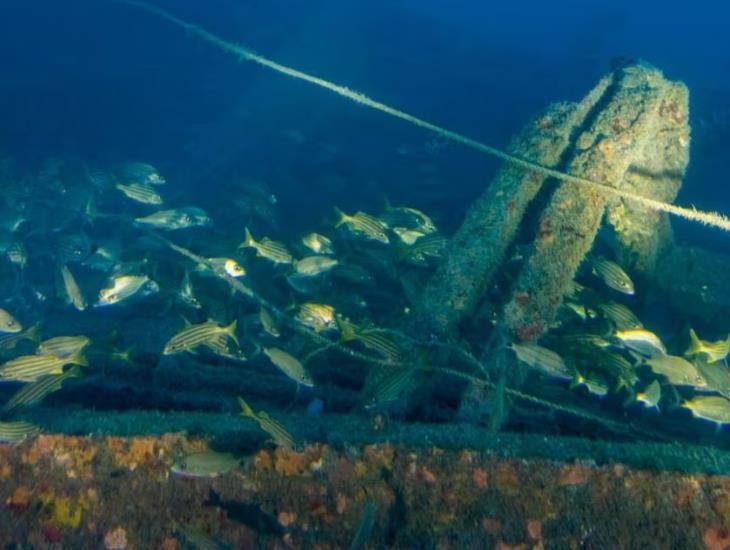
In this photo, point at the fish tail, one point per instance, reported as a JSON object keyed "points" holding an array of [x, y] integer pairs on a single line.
{"points": [[695, 345], [231, 331], [78, 358], [246, 409], [341, 217], [32, 333], [248, 239], [74, 371]]}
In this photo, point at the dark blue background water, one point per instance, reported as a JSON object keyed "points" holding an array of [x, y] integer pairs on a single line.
{"points": [[105, 82]]}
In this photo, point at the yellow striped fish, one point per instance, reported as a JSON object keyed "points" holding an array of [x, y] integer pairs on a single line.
{"points": [[220, 344], [63, 346], [713, 351], [373, 339], [193, 336], [35, 392], [266, 248], [385, 384], [542, 359], [363, 224], [140, 192], [29, 368], [612, 275], [279, 434], [15, 431], [621, 316]]}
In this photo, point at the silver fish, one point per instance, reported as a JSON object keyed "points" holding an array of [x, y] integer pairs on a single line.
{"points": [[124, 286], [178, 218]]}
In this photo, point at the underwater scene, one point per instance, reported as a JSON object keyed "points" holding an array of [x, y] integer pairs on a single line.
{"points": [[364, 275]]}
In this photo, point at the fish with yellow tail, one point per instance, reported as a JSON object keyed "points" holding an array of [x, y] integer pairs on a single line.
{"points": [[193, 336], [709, 407], [642, 341], [363, 224], [712, 351], [677, 370], [29, 368], [279, 434], [17, 430], [317, 243], [267, 248], [612, 275], [140, 192], [651, 395]]}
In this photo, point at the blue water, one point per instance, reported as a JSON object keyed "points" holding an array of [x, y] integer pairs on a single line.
{"points": [[102, 80], [101, 83]]}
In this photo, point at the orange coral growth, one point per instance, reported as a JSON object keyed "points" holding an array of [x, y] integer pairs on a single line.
{"points": [[19, 498], [574, 474], [716, 538], [534, 529], [131, 453], [116, 539], [529, 331], [479, 476]]}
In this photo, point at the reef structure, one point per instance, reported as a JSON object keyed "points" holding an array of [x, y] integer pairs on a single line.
{"points": [[118, 494]]}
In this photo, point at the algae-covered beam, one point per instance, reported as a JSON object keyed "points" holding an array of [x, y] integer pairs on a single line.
{"points": [[478, 248], [643, 235], [616, 141]]}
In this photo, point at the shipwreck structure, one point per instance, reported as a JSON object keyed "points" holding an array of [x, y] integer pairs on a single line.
{"points": [[632, 130]]}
